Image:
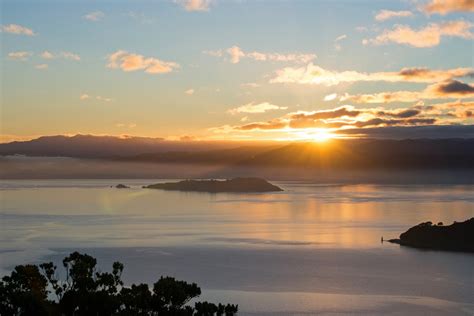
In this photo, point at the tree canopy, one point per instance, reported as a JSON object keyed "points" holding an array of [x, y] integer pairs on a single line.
{"points": [[29, 290]]}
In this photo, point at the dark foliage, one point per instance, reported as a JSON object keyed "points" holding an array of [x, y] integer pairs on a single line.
{"points": [[86, 291]]}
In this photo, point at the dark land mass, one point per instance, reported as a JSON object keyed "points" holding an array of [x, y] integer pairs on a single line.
{"points": [[122, 186], [108, 147], [244, 185], [455, 237], [362, 154]]}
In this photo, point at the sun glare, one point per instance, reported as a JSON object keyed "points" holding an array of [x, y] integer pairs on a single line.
{"points": [[321, 135]]}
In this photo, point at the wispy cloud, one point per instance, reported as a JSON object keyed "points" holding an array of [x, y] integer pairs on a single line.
{"points": [[236, 54], [132, 62], [195, 5], [428, 36], [384, 15], [337, 44], [94, 16], [126, 125], [256, 108], [189, 92], [330, 97], [316, 75], [22, 55], [42, 66], [446, 6], [17, 29], [85, 97], [64, 55]]}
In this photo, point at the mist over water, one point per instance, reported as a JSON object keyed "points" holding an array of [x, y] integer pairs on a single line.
{"points": [[311, 248]]}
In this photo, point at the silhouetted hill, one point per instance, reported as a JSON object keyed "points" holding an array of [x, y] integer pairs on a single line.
{"points": [[216, 186], [334, 154], [385, 154], [455, 237], [89, 146]]}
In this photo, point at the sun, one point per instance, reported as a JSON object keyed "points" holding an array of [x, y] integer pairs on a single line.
{"points": [[321, 135]]}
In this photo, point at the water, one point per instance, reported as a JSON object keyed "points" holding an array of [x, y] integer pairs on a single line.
{"points": [[310, 249]]}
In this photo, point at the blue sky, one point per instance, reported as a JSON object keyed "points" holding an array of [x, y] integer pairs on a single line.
{"points": [[75, 89]]}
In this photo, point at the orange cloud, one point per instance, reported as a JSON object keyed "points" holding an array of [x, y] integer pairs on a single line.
{"points": [[428, 36], [446, 6], [316, 75], [19, 55], [256, 108], [383, 15], [195, 5], [132, 62], [17, 29], [346, 117]]}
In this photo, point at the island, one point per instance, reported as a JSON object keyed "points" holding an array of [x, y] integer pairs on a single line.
{"points": [[236, 185], [455, 237], [122, 186]]}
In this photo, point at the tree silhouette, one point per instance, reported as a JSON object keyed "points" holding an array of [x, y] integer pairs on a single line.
{"points": [[86, 291]]}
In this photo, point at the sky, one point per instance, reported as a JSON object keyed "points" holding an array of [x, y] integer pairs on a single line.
{"points": [[235, 69]]}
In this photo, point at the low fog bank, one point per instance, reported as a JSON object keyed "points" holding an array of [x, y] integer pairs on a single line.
{"points": [[19, 167]]}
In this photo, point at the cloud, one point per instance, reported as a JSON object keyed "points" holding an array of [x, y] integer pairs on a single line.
{"points": [[349, 118], [84, 97], [404, 132], [453, 87], [195, 5], [446, 6], [94, 16], [236, 54], [394, 122], [22, 56], [403, 113], [337, 45], [384, 15], [132, 62], [69, 55], [100, 98], [189, 91], [256, 108], [270, 125], [42, 66], [428, 36], [64, 55], [316, 75], [338, 112], [450, 89], [17, 29], [47, 55], [330, 97], [127, 125]]}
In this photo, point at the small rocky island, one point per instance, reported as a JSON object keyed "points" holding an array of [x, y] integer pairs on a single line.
{"points": [[242, 185], [455, 237], [122, 186]]}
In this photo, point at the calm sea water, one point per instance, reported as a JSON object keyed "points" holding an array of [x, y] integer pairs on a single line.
{"points": [[310, 249]]}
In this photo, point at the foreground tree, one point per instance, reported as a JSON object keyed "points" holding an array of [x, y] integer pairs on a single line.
{"points": [[85, 291]]}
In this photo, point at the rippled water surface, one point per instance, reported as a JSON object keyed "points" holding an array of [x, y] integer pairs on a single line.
{"points": [[309, 249]]}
